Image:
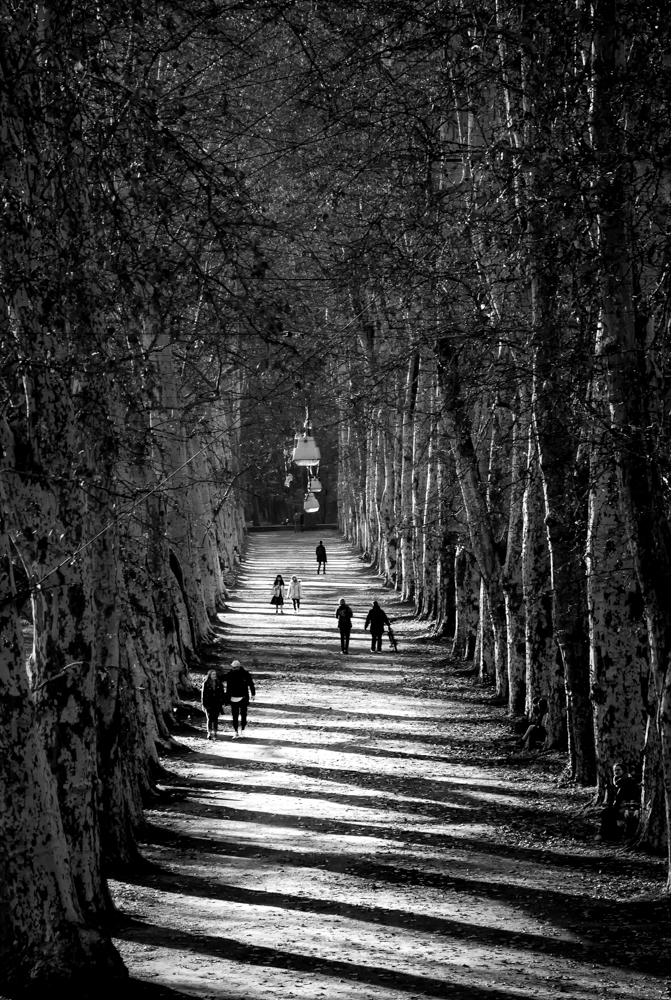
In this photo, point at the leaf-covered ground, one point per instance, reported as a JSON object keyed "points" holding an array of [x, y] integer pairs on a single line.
{"points": [[377, 833]]}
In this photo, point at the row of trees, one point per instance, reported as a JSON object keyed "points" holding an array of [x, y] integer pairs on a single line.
{"points": [[503, 441], [473, 200], [126, 254], [447, 223]]}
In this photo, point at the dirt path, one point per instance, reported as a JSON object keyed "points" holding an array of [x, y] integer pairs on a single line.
{"points": [[366, 840]]}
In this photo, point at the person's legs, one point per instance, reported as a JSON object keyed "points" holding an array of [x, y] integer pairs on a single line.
{"points": [[609, 828], [211, 718], [243, 715], [347, 642], [298, 603], [343, 642], [235, 712]]}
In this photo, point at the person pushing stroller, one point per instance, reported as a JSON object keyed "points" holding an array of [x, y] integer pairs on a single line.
{"points": [[377, 620]]}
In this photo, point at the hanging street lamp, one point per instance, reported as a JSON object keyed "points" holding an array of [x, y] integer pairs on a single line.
{"points": [[306, 453], [311, 504], [314, 485]]}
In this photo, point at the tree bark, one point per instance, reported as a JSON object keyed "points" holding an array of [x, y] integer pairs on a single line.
{"points": [[641, 493]]}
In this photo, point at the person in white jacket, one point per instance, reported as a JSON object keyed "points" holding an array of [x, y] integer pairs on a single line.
{"points": [[295, 592]]}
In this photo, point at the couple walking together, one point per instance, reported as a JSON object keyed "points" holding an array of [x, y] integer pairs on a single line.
{"points": [[376, 618], [233, 689]]}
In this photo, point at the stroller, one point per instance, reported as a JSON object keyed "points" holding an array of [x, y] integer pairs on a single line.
{"points": [[392, 639]]}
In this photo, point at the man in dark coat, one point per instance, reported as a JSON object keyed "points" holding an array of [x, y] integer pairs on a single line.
{"points": [[344, 616], [239, 685], [377, 620], [321, 557]]}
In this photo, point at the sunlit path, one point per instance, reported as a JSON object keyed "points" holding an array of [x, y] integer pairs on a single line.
{"points": [[349, 846]]}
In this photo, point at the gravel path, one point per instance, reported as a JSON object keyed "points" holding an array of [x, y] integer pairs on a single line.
{"points": [[363, 840]]}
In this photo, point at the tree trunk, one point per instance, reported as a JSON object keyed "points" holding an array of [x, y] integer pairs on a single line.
{"points": [[407, 473], [478, 515], [513, 589], [467, 604], [616, 661], [642, 494], [544, 667], [44, 935]]}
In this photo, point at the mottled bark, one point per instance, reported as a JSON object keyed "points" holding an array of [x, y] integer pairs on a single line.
{"points": [[512, 572], [407, 473], [544, 666], [467, 604], [617, 656], [642, 495]]}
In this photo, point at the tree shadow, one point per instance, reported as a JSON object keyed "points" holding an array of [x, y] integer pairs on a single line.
{"points": [[229, 949], [615, 924]]}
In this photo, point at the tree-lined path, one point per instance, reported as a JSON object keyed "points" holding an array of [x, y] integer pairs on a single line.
{"points": [[367, 839]]}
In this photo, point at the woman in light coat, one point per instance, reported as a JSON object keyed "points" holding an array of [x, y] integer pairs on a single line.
{"points": [[295, 592]]}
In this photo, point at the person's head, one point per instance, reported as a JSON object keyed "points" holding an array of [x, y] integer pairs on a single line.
{"points": [[375, 604], [236, 665], [619, 771], [294, 578], [320, 541], [342, 601], [211, 678]]}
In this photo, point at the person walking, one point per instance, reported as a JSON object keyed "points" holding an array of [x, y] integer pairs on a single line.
{"points": [[344, 616], [278, 594], [321, 557], [297, 522], [212, 698], [295, 592], [239, 686], [377, 620]]}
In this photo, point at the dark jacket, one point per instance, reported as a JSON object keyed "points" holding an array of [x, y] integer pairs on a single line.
{"points": [[321, 553], [212, 695], [239, 683], [626, 790], [377, 620], [344, 616]]}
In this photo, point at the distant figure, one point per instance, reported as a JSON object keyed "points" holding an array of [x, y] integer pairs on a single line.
{"points": [[620, 816], [212, 699], [377, 620], [536, 733], [321, 557], [278, 594], [295, 592], [344, 616], [297, 522], [239, 685], [302, 519]]}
